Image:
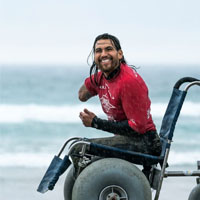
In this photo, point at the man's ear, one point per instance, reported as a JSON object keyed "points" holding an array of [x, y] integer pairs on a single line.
{"points": [[120, 54]]}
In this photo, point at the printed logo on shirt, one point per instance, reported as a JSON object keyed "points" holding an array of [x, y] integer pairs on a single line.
{"points": [[133, 121], [106, 104], [148, 113], [110, 117], [104, 87]]}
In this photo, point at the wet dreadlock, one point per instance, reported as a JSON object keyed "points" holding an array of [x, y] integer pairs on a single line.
{"points": [[94, 68]]}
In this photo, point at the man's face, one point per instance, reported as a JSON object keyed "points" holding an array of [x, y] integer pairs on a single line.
{"points": [[106, 56]]}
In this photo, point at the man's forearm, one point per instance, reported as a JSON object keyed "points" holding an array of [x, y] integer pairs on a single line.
{"points": [[121, 128]]}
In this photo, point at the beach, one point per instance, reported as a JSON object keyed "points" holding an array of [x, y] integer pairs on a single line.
{"points": [[21, 184], [40, 111]]}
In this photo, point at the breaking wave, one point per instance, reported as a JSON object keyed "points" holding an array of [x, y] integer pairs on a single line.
{"points": [[70, 113], [23, 159]]}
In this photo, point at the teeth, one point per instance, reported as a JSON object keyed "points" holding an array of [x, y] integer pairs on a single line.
{"points": [[107, 60]]}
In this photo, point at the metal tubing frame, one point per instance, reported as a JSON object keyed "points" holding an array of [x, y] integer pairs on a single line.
{"points": [[162, 172], [85, 143], [65, 144], [181, 173], [191, 84]]}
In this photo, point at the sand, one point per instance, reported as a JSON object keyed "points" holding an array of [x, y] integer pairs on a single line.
{"points": [[21, 184]]}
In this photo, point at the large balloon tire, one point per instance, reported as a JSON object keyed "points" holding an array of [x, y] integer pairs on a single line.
{"points": [[69, 183], [195, 193], [119, 176]]}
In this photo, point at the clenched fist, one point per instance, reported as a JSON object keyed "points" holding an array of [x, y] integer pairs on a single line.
{"points": [[87, 117]]}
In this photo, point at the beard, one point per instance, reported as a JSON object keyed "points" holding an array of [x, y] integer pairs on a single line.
{"points": [[108, 67]]}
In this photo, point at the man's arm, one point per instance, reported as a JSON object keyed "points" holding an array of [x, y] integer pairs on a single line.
{"points": [[84, 94], [89, 119], [120, 128]]}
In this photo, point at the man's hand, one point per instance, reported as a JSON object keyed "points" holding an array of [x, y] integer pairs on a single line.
{"points": [[87, 117]]}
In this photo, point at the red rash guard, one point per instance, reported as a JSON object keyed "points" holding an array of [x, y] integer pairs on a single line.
{"points": [[124, 97]]}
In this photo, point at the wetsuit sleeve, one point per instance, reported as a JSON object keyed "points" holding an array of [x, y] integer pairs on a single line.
{"points": [[136, 104], [121, 128]]}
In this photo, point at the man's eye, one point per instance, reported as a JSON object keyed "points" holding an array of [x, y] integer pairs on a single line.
{"points": [[97, 50], [109, 49]]}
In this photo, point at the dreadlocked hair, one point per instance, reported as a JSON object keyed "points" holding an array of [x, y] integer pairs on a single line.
{"points": [[94, 68]]}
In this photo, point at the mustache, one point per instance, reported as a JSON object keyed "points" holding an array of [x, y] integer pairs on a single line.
{"points": [[105, 57]]}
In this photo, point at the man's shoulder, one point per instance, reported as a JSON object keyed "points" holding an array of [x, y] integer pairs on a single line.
{"points": [[131, 78], [129, 73], [97, 77]]}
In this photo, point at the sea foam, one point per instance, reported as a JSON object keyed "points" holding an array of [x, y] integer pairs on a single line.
{"points": [[70, 113], [43, 113], [41, 159]]}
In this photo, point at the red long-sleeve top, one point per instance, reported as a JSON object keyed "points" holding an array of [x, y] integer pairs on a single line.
{"points": [[124, 97]]}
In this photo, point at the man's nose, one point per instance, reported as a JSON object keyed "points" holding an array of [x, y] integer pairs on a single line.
{"points": [[104, 53]]}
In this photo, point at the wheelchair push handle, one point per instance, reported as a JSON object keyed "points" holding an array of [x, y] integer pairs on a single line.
{"points": [[185, 80], [67, 142]]}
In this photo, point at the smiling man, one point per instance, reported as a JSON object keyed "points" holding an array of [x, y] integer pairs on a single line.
{"points": [[106, 56], [124, 98]]}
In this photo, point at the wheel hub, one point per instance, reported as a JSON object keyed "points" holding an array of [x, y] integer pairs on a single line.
{"points": [[113, 192], [113, 196]]}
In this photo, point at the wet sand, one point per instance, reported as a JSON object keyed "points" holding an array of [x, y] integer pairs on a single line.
{"points": [[21, 184]]}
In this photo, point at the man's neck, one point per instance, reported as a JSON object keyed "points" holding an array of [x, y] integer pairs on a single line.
{"points": [[112, 74]]}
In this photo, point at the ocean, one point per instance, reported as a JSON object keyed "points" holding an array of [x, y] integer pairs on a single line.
{"points": [[39, 111]]}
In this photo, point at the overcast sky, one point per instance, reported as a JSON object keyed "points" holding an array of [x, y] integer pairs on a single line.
{"points": [[63, 31]]}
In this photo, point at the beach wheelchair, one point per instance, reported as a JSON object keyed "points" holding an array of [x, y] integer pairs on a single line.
{"points": [[114, 174]]}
